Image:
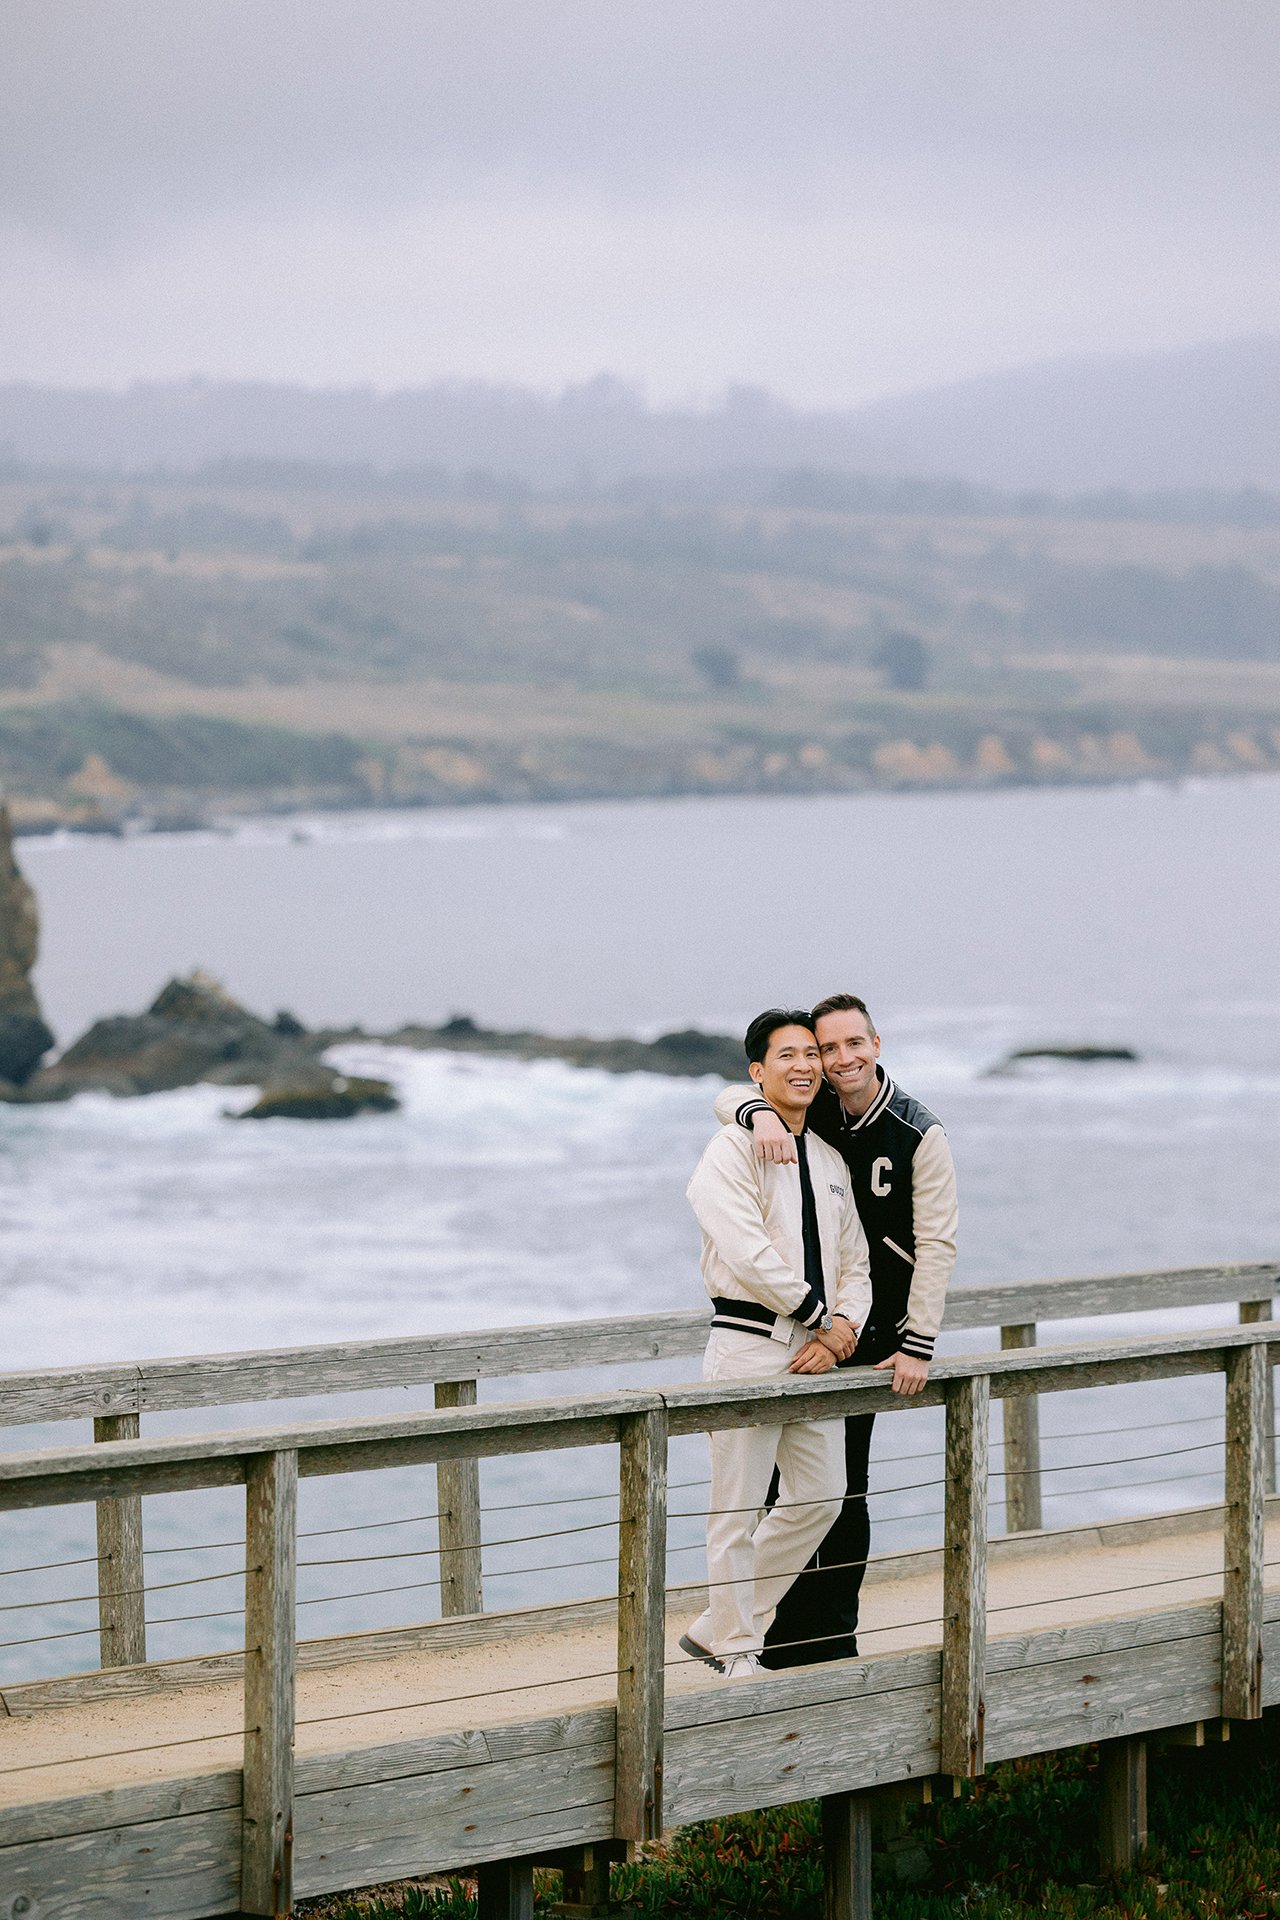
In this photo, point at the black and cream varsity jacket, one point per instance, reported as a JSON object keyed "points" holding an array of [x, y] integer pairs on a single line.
{"points": [[904, 1183]]}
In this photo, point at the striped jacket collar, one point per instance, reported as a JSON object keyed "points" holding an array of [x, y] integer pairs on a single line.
{"points": [[877, 1107]]}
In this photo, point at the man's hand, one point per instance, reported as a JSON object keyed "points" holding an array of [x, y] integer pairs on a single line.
{"points": [[773, 1141], [815, 1356], [909, 1374], [842, 1338]]}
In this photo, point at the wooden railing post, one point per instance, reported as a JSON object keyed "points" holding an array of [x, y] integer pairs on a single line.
{"points": [[1021, 1419], [642, 1603], [964, 1582], [122, 1605], [504, 1890], [1123, 1822], [458, 1507], [270, 1662], [846, 1856], [1251, 1312], [1247, 1369]]}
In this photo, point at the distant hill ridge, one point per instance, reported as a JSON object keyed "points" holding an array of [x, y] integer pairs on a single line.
{"points": [[1201, 417]]}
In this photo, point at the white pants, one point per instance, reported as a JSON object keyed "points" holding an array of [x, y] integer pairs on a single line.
{"points": [[753, 1557]]}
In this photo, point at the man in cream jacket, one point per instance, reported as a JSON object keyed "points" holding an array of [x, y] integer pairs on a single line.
{"points": [[784, 1259], [904, 1183]]}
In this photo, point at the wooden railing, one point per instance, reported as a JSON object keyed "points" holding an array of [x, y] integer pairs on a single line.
{"points": [[269, 1461], [115, 1396]]}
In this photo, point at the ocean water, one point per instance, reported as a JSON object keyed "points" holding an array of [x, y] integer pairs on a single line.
{"points": [[507, 1193]]}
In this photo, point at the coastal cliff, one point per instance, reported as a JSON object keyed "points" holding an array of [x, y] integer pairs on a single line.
{"points": [[24, 1036]]}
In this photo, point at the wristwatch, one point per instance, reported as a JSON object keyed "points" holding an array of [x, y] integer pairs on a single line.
{"points": [[826, 1323]]}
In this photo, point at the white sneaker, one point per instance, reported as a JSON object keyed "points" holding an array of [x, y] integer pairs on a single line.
{"points": [[742, 1666]]}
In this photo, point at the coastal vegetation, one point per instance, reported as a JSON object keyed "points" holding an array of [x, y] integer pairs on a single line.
{"points": [[176, 646], [1019, 1845]]}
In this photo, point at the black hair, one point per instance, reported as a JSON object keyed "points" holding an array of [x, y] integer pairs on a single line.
{"points": [[766, 1024]]}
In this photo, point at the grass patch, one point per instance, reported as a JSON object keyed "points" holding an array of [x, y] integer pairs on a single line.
{"points": [[1020, 1845]]}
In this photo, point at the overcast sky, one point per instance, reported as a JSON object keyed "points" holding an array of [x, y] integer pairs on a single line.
{"points": [[832, 198]]}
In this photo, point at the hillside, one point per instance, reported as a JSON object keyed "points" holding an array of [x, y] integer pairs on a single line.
{"points": [[1206, 416], [168, 646]]}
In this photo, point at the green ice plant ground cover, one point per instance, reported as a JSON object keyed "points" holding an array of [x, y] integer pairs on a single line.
{"points": [[1020, 1843]]}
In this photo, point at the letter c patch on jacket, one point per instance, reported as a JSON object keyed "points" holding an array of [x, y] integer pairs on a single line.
{"points": [[879, 1184]]}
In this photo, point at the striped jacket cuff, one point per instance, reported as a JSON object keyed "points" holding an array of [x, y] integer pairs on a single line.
{"points": [[811, 1309], [918, 1345], [748, 1107]]}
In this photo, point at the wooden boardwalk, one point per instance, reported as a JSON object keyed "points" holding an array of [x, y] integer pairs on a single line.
{"points": [[230, 1783]]}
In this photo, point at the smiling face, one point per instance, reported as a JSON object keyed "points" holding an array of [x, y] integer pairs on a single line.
{"points": [[849, 1051], [790, 1073]]}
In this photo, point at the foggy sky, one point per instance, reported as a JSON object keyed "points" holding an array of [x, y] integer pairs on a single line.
{"points": [[831, 198]]}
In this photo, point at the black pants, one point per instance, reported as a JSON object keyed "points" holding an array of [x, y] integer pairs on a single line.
{"points": [[817, 1617]]}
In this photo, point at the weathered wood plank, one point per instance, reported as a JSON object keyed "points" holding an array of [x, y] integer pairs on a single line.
{"points": [[69, 1393], [709, 1407], [447, 1752], [163, 1870], [964, 1578], [1243, 1549], [1122, 1827], [1087, 1640], [122, 1620], [65, 1475], [1271, 1662], [846, 1683], [1121, 1693], [270, 1612], [132, 1805], [642, 1596], [323, 1447], [458, 1507], [1006, 1303], [1251, 1313], [731, 1766], [354, 1366], [1023, 1513], [846, 1856], [430, 1823]]}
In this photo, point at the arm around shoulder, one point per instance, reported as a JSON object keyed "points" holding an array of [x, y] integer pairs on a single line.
{"points": [[731, 1101]]}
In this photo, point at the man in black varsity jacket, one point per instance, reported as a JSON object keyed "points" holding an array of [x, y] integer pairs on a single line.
{"points": [[904, 1183]]}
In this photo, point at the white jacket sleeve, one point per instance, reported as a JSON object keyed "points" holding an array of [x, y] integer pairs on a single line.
{"points": [[935, 1213], [853, 1290], [730, 1100], [725, 1195]]}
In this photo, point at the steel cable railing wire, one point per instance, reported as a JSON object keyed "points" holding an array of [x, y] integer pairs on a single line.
{"points": [[563, 1566], [897, 1626], [501, 1573], [417, 1519], [596, 1526], [589, 1527]]}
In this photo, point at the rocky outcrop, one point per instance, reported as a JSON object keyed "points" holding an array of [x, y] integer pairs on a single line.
{"points": [[687, 1054], [194, 1031], [342, 1101], [24, 1037], [1083, 1055]]}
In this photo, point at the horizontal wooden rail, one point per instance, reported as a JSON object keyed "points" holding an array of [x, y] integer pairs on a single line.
{"points": [[627, 1756], [62, 1476], [235, 1379]]}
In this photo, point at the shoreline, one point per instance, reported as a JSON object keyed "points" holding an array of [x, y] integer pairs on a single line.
{"points": [[223, 818]]}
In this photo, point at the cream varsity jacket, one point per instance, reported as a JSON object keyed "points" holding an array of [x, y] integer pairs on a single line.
{"points": [[753, 1232]]}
